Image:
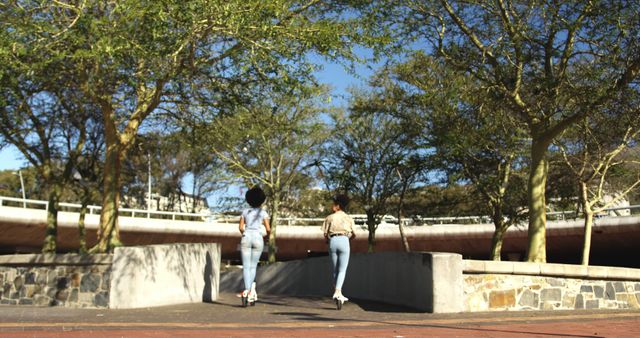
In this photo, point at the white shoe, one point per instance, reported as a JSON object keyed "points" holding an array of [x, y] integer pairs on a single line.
{"points": [[253, 294], [252, 297], [244, 297], [340, 297]]}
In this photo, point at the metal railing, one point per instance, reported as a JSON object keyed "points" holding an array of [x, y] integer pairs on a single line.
{"points": [[95, 210], [209, 217], [608, 212]]}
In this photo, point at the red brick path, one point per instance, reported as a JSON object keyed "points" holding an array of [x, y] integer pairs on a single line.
{"points": [[590, 325]]}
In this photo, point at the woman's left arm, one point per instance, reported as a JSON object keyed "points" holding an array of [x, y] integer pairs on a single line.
{"points": [[241, 226]]}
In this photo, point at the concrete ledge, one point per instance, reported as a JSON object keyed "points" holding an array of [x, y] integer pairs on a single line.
{"points": [[164, 274], [551, 270], [430, 282], [55, 259], [499, 267]]}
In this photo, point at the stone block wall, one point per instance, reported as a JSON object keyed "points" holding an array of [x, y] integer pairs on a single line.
{"points": [[60, 282], [132, 277], [513, 286]]}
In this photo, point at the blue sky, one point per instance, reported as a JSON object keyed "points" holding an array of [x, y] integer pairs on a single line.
{"points": [[10, 159]]}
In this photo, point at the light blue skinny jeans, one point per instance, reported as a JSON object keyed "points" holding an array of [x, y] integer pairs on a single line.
{"points": [[250, 250], [339, 252]]}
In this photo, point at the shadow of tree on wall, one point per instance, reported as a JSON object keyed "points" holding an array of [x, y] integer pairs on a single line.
{"points": [[231, 281], [183, 270], [208, 279]]}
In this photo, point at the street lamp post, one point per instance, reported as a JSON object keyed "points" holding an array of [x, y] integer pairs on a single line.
{"points": [[24, 196]]}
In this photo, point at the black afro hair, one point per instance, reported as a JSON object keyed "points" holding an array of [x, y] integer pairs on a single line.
{"points": [[341, 200], [255, 197]]}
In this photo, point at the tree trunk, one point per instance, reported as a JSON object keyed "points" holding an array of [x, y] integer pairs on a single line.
{"points": [[108, 232], [586, 249], [496, 244], [51, 231], [371, 226], [403, 238], [536, 251], [498, 236], [194, 187], [275, 205], [82, 233], [588, 224]]}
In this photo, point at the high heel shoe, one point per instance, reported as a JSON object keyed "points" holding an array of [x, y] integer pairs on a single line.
{"points": [[339, 300], [253, 295], [244, 297]]}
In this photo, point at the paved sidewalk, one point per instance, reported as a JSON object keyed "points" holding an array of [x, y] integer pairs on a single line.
{"points": [[275, 316]]}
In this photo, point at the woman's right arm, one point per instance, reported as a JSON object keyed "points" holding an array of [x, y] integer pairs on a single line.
{"points": [[352, 225]]}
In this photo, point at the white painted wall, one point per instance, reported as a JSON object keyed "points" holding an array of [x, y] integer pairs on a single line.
{"points": [[158, 275]]}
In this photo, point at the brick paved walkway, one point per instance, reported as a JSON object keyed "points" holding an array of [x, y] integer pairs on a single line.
{"points": [[308, 317]]}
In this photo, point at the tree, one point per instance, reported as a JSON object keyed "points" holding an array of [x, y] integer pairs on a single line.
{"points": [[596, 157], [369, 148], [48, 125], [131, 57], [408, 172], [271, 143], [163, 163], [473, 140], [309, 202], [87, 177], [201, 166], [533, 57]]}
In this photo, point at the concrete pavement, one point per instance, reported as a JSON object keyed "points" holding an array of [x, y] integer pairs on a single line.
{"points": [[276, 316]]}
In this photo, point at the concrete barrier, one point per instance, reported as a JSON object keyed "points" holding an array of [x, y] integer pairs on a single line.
{"points": [[430, 282], [164, 274]]}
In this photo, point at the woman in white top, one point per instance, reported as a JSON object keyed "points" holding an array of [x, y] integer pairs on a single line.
{"points": [[251, 245]]}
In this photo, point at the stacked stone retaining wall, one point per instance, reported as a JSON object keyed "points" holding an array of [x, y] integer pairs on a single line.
{"points": [[133, 277], [499, 286], [63, 280]]}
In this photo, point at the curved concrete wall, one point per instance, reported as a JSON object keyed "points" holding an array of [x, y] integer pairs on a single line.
{"points": [[430, 282]]}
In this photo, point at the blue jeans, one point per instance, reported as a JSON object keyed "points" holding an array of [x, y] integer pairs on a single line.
{"points": [[339, 252], [250, 250]]}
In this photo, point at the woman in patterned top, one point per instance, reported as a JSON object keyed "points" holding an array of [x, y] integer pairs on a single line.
{"points": [[338, 230]]}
